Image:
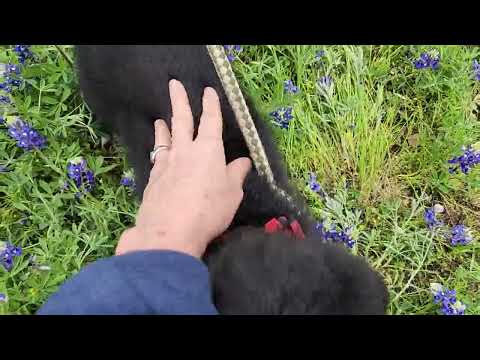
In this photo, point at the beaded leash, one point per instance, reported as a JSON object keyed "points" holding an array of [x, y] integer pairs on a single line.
{"points": [[243, 116]]}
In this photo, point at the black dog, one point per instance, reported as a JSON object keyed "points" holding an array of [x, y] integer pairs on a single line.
{"points": [[252, 272]]}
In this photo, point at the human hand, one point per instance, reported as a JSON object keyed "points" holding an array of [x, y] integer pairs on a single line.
{"points": [[192, 194]]}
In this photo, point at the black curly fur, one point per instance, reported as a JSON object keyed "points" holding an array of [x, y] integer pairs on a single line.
{"points": [[251, 272]]}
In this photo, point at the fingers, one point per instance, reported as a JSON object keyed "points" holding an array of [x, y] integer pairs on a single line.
{"points": [[238, 170], [162, 137], [182, 119], [211, 120]]}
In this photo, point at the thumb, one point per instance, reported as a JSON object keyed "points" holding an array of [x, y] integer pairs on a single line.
{"points": [[238, 170]]}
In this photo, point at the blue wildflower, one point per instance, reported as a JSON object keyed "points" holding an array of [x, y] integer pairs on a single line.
{"points": [[476, 69], [89, 180], [2, 120], [447, 299], [335, 236], [4, 86], [466, 161], [5, 100], [282, 117], [7, 253], [14, 82], [3, 298], [12, 69], [232, 51], [319, 54], [128, 180], [314, 185], [23, 53], [83, 177], [325, 82], [12, 79], [64, 186], [428, 60], [461, 235], [289, 87], [27, 137], [431, 220], [3, 169]]}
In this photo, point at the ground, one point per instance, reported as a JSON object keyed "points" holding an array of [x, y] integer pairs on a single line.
{"points": [[377, 130]]}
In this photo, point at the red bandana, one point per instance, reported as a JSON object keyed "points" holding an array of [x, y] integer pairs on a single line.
{"points": [[281, 224]]}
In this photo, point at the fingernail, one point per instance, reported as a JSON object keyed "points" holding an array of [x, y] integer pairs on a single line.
{"points": [[173, 82], [210, 91]]}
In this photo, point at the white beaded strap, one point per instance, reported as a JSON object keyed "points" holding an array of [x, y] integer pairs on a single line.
{"points": [[243, 116], [240, 109]]}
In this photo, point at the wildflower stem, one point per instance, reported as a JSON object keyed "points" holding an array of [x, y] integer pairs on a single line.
{"points": [[49, 163], [64, 54], [420, 266]]}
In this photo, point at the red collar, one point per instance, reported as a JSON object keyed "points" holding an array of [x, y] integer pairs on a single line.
{"points": [[281, 224]]}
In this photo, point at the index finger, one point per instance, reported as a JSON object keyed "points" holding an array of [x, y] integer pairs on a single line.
{"points": [[211, 119]]}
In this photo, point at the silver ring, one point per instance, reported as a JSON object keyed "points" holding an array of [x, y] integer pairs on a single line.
{"points": [[156, 150]]}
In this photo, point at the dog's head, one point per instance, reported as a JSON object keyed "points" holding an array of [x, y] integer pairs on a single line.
{"points": [[258, 273]]}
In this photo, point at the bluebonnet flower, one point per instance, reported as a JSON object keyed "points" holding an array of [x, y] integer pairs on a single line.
{"points": [[476, 69], [319, 54], [466, 161], [3, 169], [12, 79], [128, 180], [3, 298], [314, 185], [431, 220], [282, 116], [2, 120], [14, 82], [27, 137], [7, 253], [23, 53], [447, 299], [64, 186], [5, 100], [83, 177], [232, 51], [11, 69], [335, 236], [4, 86], [289, 87], [461, 235], [325, 82], [428, 60]]}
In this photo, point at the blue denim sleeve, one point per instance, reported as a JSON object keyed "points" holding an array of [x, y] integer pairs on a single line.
{"points": [[145, 282]]}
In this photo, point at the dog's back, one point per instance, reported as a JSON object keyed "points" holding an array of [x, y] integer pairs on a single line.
{"points": [[260, 274], [127, 87]]}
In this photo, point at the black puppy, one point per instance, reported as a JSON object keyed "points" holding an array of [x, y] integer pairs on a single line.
{"points": [[252, 272]]}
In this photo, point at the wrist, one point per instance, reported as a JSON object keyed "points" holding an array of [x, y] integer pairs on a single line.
{"points": [[145, 239]]}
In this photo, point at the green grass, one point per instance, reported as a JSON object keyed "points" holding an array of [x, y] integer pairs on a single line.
{"points": [[379, 142]]}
